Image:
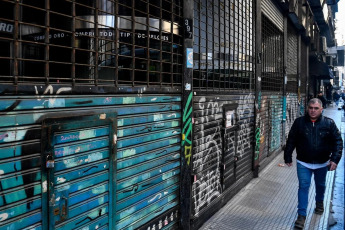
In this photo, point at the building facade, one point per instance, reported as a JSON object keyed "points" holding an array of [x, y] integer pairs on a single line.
{"points": [[144, 114]]}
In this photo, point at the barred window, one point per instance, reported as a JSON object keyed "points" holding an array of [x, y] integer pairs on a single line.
{"points": [[272, 56], [91, 42], [223, 45]]}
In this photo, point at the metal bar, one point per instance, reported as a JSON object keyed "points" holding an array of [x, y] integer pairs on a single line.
{"points": [[96, 41], [117, 39], [16, 43], [73, 40], [160, 43], [46, 39], [133, 44], [171, 45], [148, 44]]}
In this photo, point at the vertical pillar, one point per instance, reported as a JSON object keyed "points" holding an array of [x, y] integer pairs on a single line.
{"points": [[187, 116], [258, 71]]}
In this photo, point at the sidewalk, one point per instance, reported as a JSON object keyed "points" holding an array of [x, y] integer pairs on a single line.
{"points": [[270, 201]]}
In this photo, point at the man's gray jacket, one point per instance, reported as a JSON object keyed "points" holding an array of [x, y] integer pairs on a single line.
{"points": [[315, 142]]}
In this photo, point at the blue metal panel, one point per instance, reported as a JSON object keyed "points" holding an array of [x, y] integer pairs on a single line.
{"points": [[26, 103], [148, 165], [147, 160], [75, 172], [25, 118], [23, 222]]}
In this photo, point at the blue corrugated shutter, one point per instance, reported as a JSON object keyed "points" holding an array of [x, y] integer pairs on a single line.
{"points": [[146, 194], [80, 183], [148, 168]]}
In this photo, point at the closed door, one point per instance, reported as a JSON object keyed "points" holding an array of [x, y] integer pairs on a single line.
{"points": [[80, 168]]}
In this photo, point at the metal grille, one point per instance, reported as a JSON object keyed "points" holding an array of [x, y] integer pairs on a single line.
{"points": [[93, 42], [292, 66], [223, 45], [272, 56]]}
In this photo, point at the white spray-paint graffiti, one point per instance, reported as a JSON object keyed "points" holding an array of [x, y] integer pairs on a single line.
{"points": [[245, 111], [208, 144], [207, 186], [50, 91], [291, 112], [264, 130]]}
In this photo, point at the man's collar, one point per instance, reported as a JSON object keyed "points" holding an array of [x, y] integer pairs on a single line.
{"points": [[309, 119]]}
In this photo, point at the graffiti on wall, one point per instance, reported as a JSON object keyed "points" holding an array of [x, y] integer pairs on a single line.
{"points": [[275, 119], [291, 111], [143, 133], [207, 139], [187, 129], [207, 153], [246, 112], [258, 132], [302, 106]]}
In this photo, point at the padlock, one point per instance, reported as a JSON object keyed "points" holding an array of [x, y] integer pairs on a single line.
{"points": [[50, 162]]}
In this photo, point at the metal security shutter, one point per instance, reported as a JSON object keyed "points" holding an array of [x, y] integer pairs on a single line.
{"points": [[222, 154], [147, 159], [304, 61], [291, 112], [275, 119], [148, 164], [302, 106], [20, 183], [81, 180], [273, 13], [272, 56], [264, 128], [292, 59]]}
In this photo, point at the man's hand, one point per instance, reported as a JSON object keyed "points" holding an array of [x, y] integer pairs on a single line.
{"points": [[289, 164], [332, 166]]}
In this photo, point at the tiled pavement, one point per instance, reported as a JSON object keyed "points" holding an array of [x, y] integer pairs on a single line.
{"points": [[270, 201]]}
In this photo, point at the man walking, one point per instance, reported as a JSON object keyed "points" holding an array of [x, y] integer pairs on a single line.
{"points": [[319, 147]]}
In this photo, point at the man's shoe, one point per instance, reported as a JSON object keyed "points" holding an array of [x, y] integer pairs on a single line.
{"points": [[319, 208], [299, 223]]}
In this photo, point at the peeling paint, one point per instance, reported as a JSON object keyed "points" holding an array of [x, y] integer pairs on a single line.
{"points": [[129, 152], [86, 134], [3, 216], [44, 186], [128, 100], [60, 179], [157, 117]]}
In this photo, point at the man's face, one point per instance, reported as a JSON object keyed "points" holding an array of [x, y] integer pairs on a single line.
{"points": [[314, 111]]}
